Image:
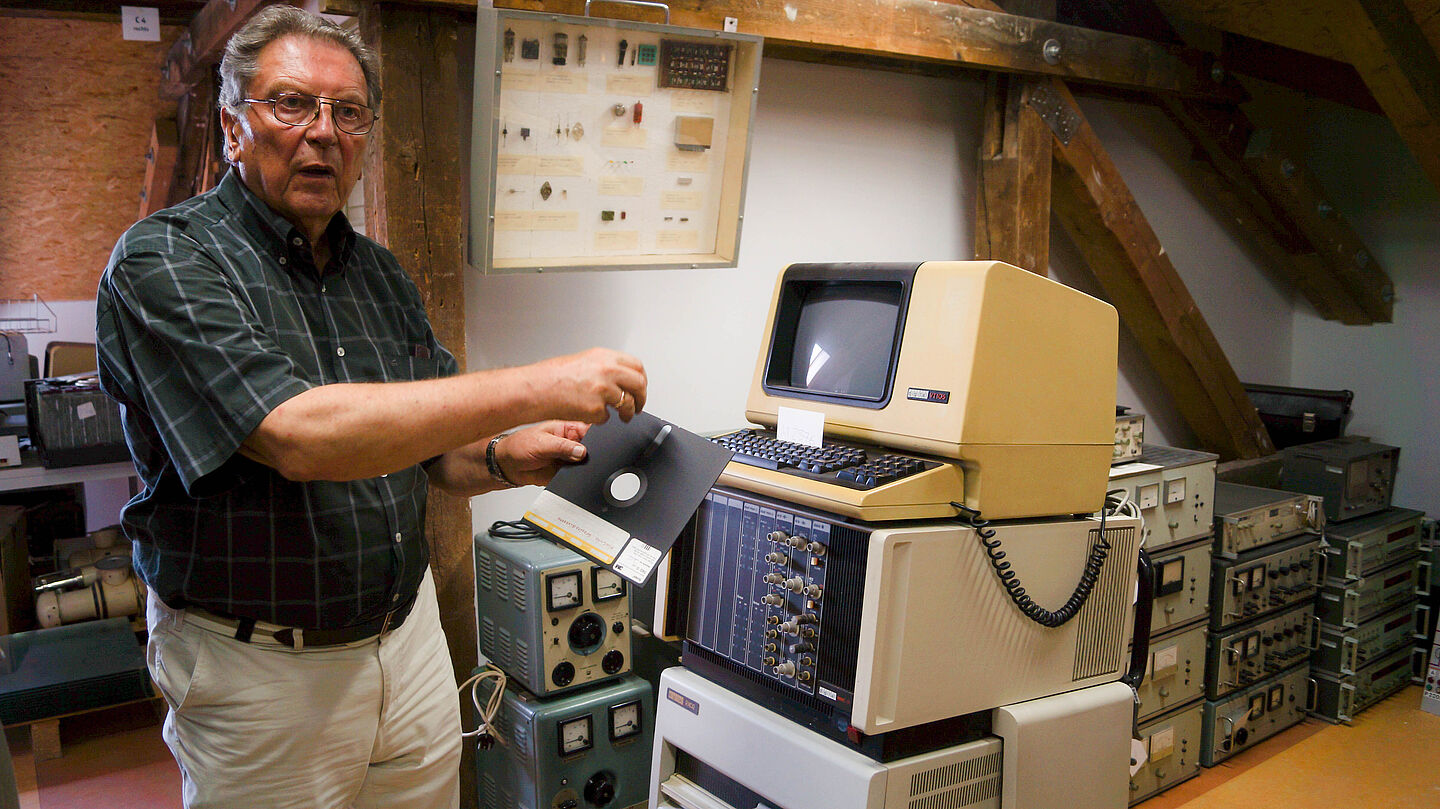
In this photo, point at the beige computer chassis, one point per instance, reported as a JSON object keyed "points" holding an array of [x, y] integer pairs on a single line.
{"points": [[939, 636]]}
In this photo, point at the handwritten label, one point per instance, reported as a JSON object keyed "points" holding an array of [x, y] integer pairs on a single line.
{"points": [[621, 186], [627, 240], [560, 165], [513, 220], [556, 220], [681, 200], [629, 84], [677, 240], [564, 83], [631, 137], [692, 101], [514, 164], [697, 162], [519, 82], [800, 426]]}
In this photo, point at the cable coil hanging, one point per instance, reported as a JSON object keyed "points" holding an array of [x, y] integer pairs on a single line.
{"points": [[1011, 582]]}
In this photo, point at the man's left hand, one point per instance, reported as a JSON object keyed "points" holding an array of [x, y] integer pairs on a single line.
{"points": [[533, 455]]}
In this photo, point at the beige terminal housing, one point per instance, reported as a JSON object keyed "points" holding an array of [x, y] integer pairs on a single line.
{"points": [[1027, 368]]}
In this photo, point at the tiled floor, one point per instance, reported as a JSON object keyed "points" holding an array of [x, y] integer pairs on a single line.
{"points": [[111, 759], [1386, 758]]}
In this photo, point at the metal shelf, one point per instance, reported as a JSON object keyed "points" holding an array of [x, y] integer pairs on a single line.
{"points": [[31, 475], [26, 315]]}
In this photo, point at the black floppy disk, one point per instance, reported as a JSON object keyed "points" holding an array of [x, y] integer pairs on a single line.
{"points": [[626, 504]]}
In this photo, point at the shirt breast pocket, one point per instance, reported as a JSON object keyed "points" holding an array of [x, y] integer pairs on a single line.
{"points": [[406, 367], [390, 364]]}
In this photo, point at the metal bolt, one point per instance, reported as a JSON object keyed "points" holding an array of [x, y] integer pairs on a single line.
{"points": [[1051, 51], [1217, 72], [1287, 167]]}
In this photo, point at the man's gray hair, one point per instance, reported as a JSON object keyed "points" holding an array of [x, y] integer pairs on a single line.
{"points": [[242, 52]]}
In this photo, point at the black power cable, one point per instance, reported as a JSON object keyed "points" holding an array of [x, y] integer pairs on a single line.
{"points": [[1008, 578], [514, 530]]}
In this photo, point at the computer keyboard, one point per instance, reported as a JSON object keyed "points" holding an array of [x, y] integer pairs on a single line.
{"points": [[842, 464]]}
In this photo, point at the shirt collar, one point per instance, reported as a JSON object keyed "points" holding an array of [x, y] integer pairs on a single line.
{"points": [[274, 232]]}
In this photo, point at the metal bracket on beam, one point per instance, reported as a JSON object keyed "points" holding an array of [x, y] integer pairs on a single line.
{"points": [[1053, 110]]}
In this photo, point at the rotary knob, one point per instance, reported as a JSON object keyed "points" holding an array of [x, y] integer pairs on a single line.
{"points": [[600, 789]]}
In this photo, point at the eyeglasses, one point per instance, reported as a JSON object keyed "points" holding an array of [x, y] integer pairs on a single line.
{"points": [[300, 109]]}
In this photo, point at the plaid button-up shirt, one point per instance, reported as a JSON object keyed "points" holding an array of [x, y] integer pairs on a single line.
{"points": [[209, 315]]}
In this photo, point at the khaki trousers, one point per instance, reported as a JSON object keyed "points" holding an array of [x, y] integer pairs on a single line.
{"points": [[370, 725]]}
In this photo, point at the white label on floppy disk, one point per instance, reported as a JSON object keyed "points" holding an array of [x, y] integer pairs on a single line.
{"points": [[636, 561], [800, 426], [577, 526]]}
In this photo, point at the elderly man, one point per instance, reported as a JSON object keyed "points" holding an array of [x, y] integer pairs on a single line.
{"points": [[286, 404]]}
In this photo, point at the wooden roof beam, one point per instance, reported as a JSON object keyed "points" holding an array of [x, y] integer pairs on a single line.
{"points": [[1012, 198], [1400, 65], [1108, 227], [1346, 283], [1270, 195], [941, 32], [201, 45]]}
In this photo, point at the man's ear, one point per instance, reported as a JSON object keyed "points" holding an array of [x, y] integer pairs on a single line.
{"points": [[231, 125]]}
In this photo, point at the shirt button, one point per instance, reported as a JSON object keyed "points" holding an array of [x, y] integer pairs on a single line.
{"points": [[398, 536], [322, 287], [340, 352], [282, 259], [394, 598], [297, 241]]}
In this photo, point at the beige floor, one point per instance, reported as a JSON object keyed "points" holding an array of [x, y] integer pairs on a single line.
{"points": [[1388, 757]]}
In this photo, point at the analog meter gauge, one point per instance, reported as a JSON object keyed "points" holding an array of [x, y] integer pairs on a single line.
{"points": [[576, 735], [607, 584], [563, 591], [625, 720]]}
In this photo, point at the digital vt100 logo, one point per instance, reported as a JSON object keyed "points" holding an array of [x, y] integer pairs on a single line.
{"points": [[927, 395]]}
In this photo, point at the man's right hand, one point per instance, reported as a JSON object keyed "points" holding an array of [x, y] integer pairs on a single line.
{"points": [[584, 386]]}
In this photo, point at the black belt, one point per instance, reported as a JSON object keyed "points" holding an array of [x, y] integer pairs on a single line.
{"points": [[250, 630]]}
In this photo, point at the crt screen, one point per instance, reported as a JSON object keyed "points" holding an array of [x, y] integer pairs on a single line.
{"points": [[844, 338]]}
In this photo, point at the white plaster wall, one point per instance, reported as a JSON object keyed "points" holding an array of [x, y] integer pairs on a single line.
{"points": [[1378, 186], [882, 170]]}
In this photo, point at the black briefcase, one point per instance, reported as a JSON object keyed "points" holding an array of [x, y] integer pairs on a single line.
{"points": [[1301, 415]]}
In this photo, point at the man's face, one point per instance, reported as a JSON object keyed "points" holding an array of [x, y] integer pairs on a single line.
{"points": [[304, 172]]}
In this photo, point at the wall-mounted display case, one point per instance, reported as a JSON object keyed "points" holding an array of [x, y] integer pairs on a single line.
{"points": [[607, 144]]}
